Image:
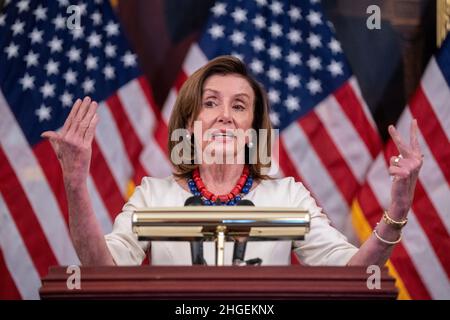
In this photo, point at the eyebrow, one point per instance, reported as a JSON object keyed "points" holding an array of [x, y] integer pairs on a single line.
{"points": [[243, 95], [207, 89], [236, 95]]}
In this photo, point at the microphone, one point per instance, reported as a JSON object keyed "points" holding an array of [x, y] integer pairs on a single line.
{"points": [[240, 243], [193, 201], [196, 245], [245, 202]]}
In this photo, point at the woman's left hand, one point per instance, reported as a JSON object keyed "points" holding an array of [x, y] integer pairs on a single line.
{"points": [[404, 169]]}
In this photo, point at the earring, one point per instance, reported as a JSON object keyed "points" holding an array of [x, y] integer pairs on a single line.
{"points": [[190, 141]]}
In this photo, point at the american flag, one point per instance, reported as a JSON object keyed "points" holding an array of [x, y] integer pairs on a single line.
{"points": [[328, 138], [422, 259], [45, 64]]}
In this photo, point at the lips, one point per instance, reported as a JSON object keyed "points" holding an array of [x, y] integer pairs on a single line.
{"points": [[223, 134]]}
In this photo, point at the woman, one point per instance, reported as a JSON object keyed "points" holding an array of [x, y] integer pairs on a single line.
{"points": [[223, 99]]}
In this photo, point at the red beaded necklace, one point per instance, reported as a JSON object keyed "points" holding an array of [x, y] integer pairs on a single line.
{"points": [[224, 197]]}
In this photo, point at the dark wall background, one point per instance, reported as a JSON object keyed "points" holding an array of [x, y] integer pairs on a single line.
{"points": [[161, 31], [388, 62]]}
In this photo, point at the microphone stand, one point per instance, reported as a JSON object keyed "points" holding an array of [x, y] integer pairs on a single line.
{"points": [[196, 245], [240, 244]]}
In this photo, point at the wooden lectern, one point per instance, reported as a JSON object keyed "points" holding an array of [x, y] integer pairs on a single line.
{"points": [[218, 283]]}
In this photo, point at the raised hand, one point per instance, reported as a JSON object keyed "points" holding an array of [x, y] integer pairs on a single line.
{"points": [[404, 169], [73, 143]]}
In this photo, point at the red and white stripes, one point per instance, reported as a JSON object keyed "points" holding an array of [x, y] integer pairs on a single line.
{"points": [[334, 150], [330, 149], [130, 143], [422, 258]]}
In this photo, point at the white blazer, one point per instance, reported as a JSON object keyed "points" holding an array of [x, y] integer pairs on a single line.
{"points": [[323, 245]]}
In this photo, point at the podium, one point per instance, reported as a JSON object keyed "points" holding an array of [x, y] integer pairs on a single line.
{"points": [[218, 283]]}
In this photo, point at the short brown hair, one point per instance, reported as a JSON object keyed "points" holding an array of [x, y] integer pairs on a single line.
{"points": [[189, 103]]}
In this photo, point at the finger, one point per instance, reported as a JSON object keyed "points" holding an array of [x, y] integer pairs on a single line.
{"points": [[90, 132], [398, 172], [398, 141], [49, 135], [395, 161], [92, 109], [73, 124], [53, 137], [83, 108], [408, 164], [414, 140], [70, 117]]}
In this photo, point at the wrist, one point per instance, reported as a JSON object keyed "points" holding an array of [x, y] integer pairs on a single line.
{"points": [[393, 222], [387, 235], [74, 185], [398, 212]]}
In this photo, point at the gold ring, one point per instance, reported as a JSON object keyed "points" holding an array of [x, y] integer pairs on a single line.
{"points": [[396, 161]]}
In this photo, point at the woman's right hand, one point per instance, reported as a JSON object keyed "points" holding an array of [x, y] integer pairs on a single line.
{"points": [[73, 143]]}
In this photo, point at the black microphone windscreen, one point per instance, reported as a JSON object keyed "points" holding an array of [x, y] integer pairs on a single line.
{"points": [[245, 202], [193, 201]]}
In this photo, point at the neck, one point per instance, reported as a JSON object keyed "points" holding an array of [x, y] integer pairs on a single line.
{"points": [[220, 178]]}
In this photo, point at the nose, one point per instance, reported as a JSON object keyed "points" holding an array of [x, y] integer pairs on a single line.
{"points": [[225, 115]]}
